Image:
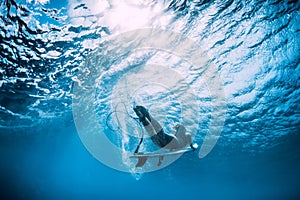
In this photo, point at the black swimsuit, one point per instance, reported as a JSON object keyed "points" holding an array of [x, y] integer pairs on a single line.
{"points": [[161, 139]]}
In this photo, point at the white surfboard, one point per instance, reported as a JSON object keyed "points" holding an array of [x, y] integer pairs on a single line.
{"points": [[163, 153]]}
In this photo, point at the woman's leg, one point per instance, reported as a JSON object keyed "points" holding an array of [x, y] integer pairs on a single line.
{"points": [[156, 125], [150, 129], [147, 119], [153, 128]]}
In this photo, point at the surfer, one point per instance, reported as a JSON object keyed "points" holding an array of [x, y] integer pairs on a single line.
{"points": [[179, 140]]}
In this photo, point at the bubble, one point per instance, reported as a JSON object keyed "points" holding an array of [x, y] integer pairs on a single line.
{"points": [[141, 85]]}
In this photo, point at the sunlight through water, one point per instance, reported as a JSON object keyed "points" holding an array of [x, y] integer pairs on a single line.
{"points": [[254, 46]]}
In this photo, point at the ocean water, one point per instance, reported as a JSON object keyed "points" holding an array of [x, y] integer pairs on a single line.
{"points": [[245, 95]]}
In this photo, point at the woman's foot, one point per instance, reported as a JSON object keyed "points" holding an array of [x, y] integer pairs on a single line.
{"points": [[141, 112]]}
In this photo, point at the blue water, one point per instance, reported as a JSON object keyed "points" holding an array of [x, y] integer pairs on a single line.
{"points": [[254, 46]]}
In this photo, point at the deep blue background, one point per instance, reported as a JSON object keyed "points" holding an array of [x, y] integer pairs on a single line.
{"points": [[55, 165]]}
